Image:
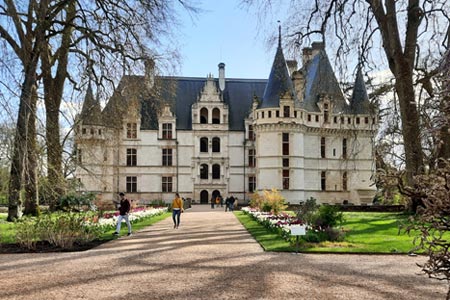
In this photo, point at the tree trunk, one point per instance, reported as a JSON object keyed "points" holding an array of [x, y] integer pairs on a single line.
{"points": [[30, 176], [54, 149], [21, 139], [410, 124]]}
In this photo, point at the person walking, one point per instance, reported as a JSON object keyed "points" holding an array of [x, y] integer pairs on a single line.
{"points": [[177, 209], [124, 210]]}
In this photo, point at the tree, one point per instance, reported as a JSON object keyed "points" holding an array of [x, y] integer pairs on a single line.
{"points": [[410, 33], [59, 35]]}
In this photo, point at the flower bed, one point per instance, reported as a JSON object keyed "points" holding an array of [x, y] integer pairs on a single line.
{"points": [[280, 223], [109, 219]]}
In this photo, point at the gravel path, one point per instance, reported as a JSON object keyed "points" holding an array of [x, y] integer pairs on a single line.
{"points": [[211, 256]]}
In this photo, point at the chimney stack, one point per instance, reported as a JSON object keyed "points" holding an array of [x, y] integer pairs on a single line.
{"points": [[292, 66], [222, 77], [149, 75]]}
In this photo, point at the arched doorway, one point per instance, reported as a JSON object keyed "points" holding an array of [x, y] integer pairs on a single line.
{"points": [[204, 197]]}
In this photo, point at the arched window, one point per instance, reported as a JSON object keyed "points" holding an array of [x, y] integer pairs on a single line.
{"points": [[204, 171], [204, 116], [204, 144], [216, 116], [216, 144], [216, 171]]}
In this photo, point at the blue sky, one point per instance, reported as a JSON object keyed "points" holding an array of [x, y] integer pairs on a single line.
{"points": [[225, 32]]}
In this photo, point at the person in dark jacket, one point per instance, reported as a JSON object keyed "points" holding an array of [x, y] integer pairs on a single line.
{"points": [[124, 210]]}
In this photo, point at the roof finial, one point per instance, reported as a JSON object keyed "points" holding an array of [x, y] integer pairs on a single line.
{"points": [[279, 33]]}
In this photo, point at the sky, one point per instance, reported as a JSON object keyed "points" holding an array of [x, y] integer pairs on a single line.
{"points": [[225, 32]]}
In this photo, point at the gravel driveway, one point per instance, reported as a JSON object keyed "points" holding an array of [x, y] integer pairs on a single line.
{"points": [[211, 256]]}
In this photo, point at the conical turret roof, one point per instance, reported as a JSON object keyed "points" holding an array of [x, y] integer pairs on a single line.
{"points": [[359, 102], [320, 80], [91, 111], [279, 82]]}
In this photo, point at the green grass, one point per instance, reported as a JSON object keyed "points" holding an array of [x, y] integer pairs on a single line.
{"points": [[7, 229], [365, 233]]}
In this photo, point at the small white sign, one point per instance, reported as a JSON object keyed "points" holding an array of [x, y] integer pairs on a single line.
{"points": [[298, 230]]}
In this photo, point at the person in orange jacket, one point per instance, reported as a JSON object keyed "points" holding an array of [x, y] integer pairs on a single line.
{"points": [[177, 209]]}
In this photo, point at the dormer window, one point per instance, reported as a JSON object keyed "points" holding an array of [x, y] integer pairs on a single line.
{"points": [[131, 130], [325, 112], [167, 131], [216, 116], [286, 111], [251, 133], [204, 116]]}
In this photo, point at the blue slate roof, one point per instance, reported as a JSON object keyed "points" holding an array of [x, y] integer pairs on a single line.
{"points": [[320, 80], [181, 92]]}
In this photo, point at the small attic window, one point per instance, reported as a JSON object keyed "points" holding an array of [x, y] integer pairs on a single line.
{"points": [[357, 120], [325, 113], [317, 118], [309, 118], [366, 120], [286, 111]]}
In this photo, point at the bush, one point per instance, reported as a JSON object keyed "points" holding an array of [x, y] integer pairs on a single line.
{"points": [[77, 202], [62, 230], [307, 210], [328, 216], [27, 233], [271, 201]]}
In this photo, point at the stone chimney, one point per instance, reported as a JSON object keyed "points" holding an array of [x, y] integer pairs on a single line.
{"points": [[222, 77], [292, 66], [308, 53], [149, 75]]}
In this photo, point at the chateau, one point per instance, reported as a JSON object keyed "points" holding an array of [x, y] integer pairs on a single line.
{"points": [[295, 132]]}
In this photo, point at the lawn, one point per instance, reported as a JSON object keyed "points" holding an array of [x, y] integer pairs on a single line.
{"points": [[365, 233], [7, 229]]}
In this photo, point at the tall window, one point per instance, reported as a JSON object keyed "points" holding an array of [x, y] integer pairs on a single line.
{"points": [[323, 180], [79, 156], [322, 147], [204, 171], [167, 157], [317, 118], [285, 143], [167, 184], [216, 144], [251, 133], [83, 131], [325, 113], [204, 116], [167, 131], [131, 130], [251, 184], [216, 171], [344, 148], [344, 181], [251, 158], [285, 179], [216, 116], [286, 111], [131, 157], [285, 162], [131, 184], [204, 144]]}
